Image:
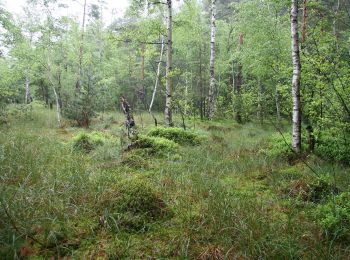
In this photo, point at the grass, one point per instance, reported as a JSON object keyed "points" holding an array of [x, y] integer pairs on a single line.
{"points": [[224, 198]]}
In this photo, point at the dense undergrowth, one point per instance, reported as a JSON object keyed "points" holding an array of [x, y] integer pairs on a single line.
{"points": [[234, 194]]}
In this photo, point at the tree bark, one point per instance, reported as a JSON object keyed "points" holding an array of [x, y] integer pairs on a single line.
{"points": [[156, 84], [211, 97], [168, 92], [277, 102], [58, 107], [296, 131], [238, 85], [304, 25], [143, 90], [28, 97], [81, 51]]}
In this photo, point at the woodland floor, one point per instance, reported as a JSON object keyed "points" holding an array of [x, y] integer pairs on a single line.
{"points": [[226, 198]]}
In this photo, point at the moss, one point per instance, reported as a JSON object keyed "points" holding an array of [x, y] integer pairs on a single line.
{"points": [[155, 145], [134, 160], [87, 142], [177, 135], [134, 206], [315, 190]]}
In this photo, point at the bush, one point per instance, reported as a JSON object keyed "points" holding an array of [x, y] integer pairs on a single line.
{"points": [[334, 217], [281, 148], [177, 135], [88, 141], [331, 146], [134, 206], [155, 145]]}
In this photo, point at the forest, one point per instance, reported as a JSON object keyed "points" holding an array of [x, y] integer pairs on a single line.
{"points": [[179, 129]]}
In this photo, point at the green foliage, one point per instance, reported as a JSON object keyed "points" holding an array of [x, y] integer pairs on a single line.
{"points": [[334, 217], [281, 147], [154, 145], [87, 142], [334, 146], [178, 135]]}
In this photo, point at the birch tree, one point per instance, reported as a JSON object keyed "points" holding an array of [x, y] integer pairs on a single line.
{"points": [[296, 139], [211, 97], [168, 94], [157, 80]]}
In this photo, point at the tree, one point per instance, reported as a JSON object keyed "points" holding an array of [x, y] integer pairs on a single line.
{"points": [[168, 91], [211, 97], [296, 139]]}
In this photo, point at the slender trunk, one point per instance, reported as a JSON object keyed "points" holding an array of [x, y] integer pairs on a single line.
{"points": [[143, 94], [157, 79], [238, 85], [201, 90], [81, 51], [335, 24], [58, 107], [211, 97], [260, 103], [28, 97], [278, 108], [168, 94], [296, 139], [304, 25]]}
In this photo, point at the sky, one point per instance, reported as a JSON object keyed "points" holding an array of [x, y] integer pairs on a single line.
{"points": [[114, 8]]}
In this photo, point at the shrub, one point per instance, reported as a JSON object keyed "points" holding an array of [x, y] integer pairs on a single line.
{"points": [[177, 135], [334, 217], [134, 206], [88, 141], [157, 145], [281, 148], [331, 146]]}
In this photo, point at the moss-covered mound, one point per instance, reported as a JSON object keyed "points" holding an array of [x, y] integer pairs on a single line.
{"points": [[87, 142], [177, 135], [155, 145], [134, 206]]}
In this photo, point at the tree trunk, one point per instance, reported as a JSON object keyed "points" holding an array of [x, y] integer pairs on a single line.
{"points": [[81, 51], [58, 107], [278, 106], [304, 25], [238, 85], [201, 89], [211, 97], [336, 11], [157, 79], [261, 102], [28, 97], [143, 90], [296, 139], [168, 92]]}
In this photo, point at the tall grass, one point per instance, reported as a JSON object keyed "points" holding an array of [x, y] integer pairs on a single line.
{"points": [[225, 198]]}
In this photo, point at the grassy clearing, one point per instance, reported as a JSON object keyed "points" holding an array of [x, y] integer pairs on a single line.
{"points": [[226, 197]]}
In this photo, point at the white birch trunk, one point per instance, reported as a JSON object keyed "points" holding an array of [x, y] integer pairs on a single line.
{"points": [[58, 107], [211, 96], [27, 95], [157, 78], [168, 91], [81, 50], [296, 139]]}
